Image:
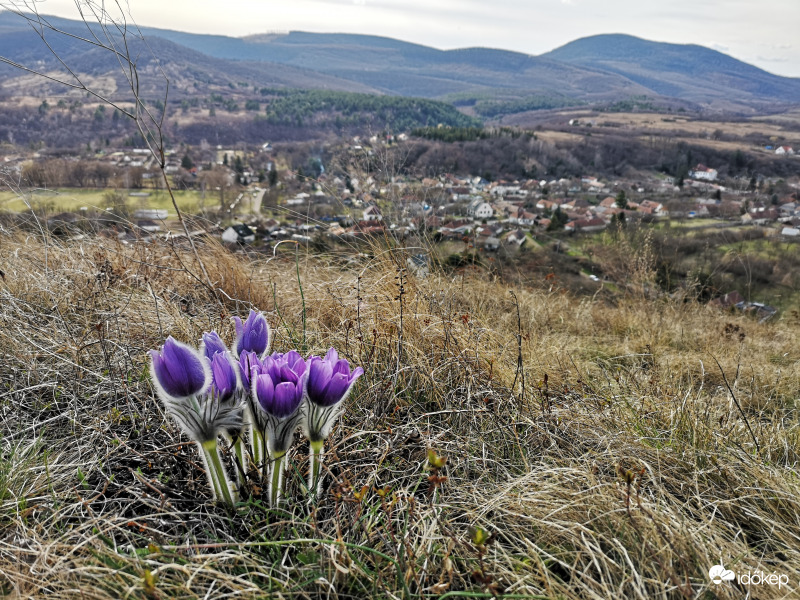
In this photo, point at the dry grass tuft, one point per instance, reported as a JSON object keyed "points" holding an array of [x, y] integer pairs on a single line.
{"points": [[633, 447]]}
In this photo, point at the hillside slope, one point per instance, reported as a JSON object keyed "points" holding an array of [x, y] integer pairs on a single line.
{"points": [[596, 443]]}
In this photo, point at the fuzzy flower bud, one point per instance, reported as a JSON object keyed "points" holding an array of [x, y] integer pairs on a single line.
{"points": [[178, 371], [253, 335], [224, 376], [212, 344]]}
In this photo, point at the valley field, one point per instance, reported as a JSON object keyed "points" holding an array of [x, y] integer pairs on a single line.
{"points": [[76, 199]]}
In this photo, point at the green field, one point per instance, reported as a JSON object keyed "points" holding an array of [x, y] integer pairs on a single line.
{"points": [[73, 199]]}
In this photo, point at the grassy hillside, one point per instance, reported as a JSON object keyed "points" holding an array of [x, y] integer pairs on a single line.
{"points": [[611, 450]]}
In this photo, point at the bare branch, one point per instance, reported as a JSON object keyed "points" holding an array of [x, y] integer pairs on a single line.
{"points": [[149, 125]]}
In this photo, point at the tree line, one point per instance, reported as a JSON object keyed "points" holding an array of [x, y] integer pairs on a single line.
{"points": [[60, 172], [468, 134], [346, 109]]}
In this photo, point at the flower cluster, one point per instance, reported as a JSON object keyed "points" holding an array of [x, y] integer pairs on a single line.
{"points": [[254, 399]]}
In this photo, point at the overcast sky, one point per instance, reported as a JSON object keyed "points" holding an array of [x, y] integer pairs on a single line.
{"points": [[761, 32]]}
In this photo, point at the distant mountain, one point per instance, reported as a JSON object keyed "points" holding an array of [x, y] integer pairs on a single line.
{"points": [[689, 71], [593, 68], [596, 69], [191, 73], [401, 68]]}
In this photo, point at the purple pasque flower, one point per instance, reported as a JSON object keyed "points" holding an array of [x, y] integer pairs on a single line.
{"points": [[183, 378], [288, 366], [329, 383], [281, 400], [225, 379], [278, 385], [330, 379], [178, 371], [253, 335], [212, 344]]}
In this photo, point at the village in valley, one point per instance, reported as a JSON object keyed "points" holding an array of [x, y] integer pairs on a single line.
{"points": [[451, 205], [253, 197]]}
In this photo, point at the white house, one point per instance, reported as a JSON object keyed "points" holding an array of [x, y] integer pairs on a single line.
{"points": [[479, 209], [784, 150], [652, 207], [517, 237], [492, 243], [240, 234], [704, 173], [372, 213], [585, 225], [300, 198], [148, 225], [504, 190]]}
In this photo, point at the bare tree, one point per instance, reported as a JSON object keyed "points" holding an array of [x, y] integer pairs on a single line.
{"points": [[108, 28]]}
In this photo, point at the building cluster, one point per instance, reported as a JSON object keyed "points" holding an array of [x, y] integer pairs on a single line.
{"points": [[487, 214]]}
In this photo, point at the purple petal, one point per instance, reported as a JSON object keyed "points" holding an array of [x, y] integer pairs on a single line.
{"points": [[252, 335], [264, 391], [336, 390], [340, 387], [286, 374], [341, 366], [319, 376], [223, 375], [332, 356], [184, 366], [212, 344], [286, 400], [292, 357], [272, 367], [247, 361], [302, 383]]}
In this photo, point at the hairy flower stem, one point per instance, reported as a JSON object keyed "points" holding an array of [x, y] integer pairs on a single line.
{"points": [[241, 457], [315, 470], [216, 473], [276, 482], [259, 448]]}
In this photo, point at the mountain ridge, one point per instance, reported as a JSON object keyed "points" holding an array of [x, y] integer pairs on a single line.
{"points": [[600, 68], [642, 60]]}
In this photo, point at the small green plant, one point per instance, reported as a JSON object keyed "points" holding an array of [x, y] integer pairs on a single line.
{"points": [[82, 479]]}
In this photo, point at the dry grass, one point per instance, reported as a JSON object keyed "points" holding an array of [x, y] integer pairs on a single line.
{"points": [[75, 199], [623, 468], [671, 122]]}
